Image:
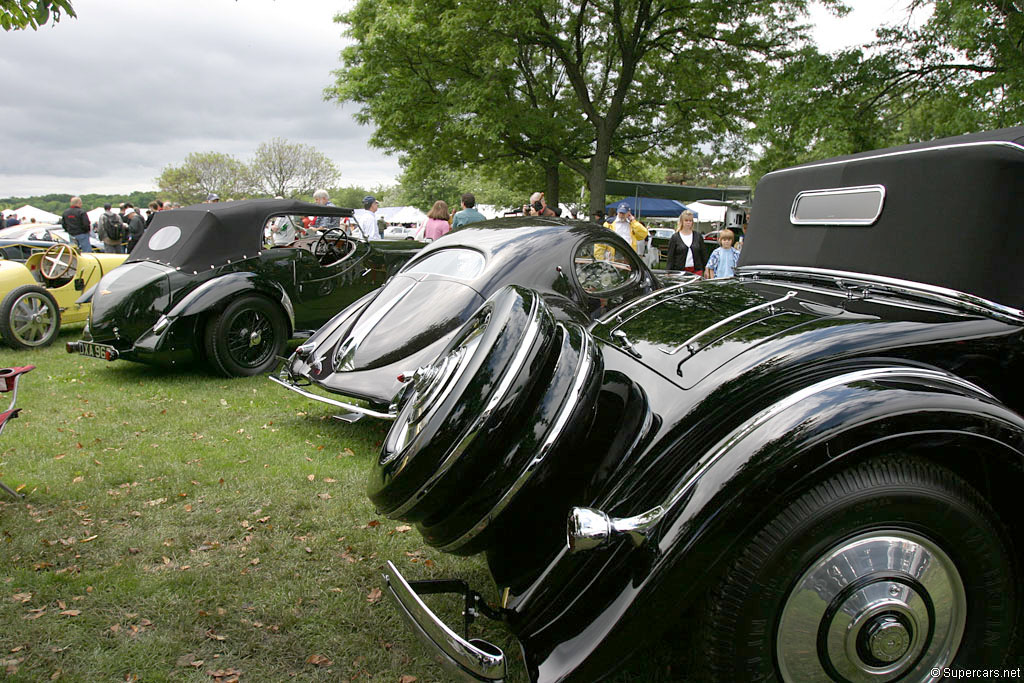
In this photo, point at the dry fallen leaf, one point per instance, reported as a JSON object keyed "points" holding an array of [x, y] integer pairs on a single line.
{"points": [[407, 679], [21, 597], [374, 596], [215, 636], [403, 528], [311, 477], [318, 660], [71, 612]]}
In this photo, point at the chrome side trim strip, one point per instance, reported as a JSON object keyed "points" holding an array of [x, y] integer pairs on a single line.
{"points": [[507, 378], [464, 658], [982, 143], [726, 321], [723, 447], [558, 426], [947, 296], [351, 407]]}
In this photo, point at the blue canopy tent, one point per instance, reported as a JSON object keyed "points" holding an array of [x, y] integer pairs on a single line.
{"points": [[647, 207]]}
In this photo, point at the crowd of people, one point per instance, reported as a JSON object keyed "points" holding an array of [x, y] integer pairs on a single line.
{"points": [[121, 230]]}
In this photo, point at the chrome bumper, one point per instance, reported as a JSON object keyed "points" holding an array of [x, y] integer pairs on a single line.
{"points": [[471, 660], [351, 407]]}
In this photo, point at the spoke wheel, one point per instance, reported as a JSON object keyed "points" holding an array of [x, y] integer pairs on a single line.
{"points": [[29, 318], [247, 337], [887, 571]]}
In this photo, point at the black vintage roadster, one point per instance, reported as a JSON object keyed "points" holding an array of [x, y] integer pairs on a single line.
{"points": [[583, 270], [202, 285], [820, 457]]}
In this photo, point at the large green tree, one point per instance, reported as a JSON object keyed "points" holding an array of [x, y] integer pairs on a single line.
{"points": [[21, 14], [948, 67], [558, 82]]}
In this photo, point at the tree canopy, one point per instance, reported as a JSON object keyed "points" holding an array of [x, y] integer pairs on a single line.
{"points": [[22, 14], [284, 169], [278, 168], [948, 67], [548, 83]]}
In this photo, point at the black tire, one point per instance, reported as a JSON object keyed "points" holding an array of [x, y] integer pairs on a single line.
{"points": [[247, 337], [448, 416], [29, 317], [787, 608]]}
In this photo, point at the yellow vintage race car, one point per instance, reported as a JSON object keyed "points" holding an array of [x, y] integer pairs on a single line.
{"points": [[39, 294]]}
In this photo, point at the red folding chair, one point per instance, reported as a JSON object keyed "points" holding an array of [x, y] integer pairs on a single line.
{"points": [[9, 382]]}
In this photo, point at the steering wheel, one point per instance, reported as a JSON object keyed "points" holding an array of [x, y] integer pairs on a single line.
{"points": [[326, 248], [58, 260]]}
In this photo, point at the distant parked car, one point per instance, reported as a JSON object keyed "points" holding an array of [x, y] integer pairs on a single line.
{"points": [[40, 294], [399, 232], [807, 472], [45, 232], [201, 285]]}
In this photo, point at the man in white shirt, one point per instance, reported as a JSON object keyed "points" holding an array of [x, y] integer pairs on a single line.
{"points": [[367, 217]]}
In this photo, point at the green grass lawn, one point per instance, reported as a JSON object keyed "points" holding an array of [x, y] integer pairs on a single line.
{"points": [[181, 526]]}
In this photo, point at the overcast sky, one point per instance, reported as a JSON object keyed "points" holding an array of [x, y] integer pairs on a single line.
{"points": [[104, 102]]}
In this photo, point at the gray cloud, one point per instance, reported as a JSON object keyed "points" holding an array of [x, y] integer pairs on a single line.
{"points": [[104, 102]]}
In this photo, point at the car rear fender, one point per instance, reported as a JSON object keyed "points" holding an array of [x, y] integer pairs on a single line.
{"points": [[216, 293], [641, 569]]}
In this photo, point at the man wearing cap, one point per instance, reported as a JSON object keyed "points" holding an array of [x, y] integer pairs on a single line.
{"points": [[626, 226], [367, 217]]}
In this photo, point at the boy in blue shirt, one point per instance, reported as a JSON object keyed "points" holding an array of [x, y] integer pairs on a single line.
{"points": [[723, 259]]}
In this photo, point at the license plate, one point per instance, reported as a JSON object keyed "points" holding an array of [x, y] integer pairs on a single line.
{"points": [[101, 351]]}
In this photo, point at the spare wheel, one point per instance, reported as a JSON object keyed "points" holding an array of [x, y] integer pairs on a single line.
{"points": [[454, 407]]}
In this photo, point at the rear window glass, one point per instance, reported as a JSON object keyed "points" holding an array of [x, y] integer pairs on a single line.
{"points": [[839, 206], [164, 238], [602, 267], [464, 264]]}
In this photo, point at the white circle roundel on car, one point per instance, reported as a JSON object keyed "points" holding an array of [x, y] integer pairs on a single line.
{"points": [[165, 237]]}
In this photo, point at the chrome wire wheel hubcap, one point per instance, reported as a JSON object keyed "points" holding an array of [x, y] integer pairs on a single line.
{"points": [[32, 319], [882, 606]]}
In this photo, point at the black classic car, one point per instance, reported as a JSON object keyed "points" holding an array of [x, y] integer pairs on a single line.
{"points": [[202, 285], [819, 460], [582, 268]]}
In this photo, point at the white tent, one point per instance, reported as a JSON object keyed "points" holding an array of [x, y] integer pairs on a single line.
{"points": [[28, 212], [706, 213], [407, 214], [386, 212], [94, 215]]}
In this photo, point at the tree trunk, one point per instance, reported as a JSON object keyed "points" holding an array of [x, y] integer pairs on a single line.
{"points": [[597, 175], [551, 185]]}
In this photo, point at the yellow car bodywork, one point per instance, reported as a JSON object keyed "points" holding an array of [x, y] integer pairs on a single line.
{"points": [[33, 307]]}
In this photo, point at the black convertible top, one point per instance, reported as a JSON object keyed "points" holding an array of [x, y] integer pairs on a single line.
{"points": [[204, 236], [947, 212]]}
